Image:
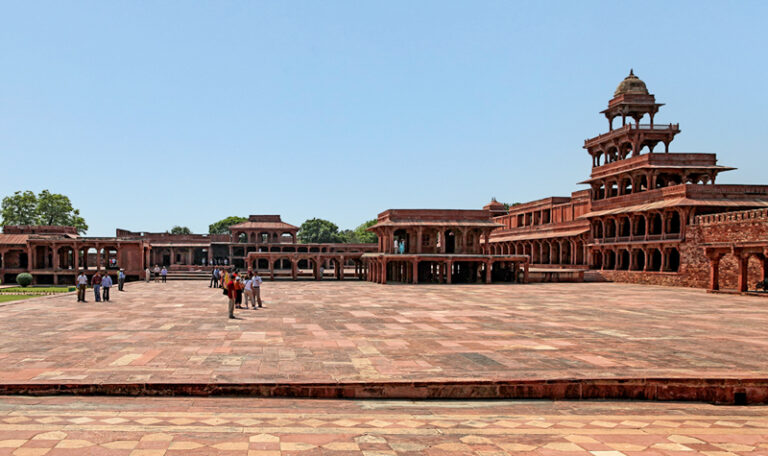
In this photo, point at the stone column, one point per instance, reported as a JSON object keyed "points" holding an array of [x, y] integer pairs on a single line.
{"points": [[419, 239], [55, 257], [449, 272], [341, 268], [488, 266], [416, 269]]}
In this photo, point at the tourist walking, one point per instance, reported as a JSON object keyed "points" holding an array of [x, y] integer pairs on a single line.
{"points": [[156, 272], [82, 284], [96, 284], [256, 284], [120, 279], [106, 284], [214, 278], [164, 274]]}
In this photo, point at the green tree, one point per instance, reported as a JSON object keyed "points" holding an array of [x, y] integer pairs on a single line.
{"points": [[366, 237], [222, 226], [20, 209], [180, 230], [318, 230], [349, 237], [56, 209], [44, 209]]}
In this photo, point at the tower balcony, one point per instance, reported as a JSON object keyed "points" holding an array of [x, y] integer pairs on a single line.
{"points": [[664, 129]]}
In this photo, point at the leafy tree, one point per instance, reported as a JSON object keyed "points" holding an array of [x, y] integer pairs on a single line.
{"points": [[20, 209], [507, 205], [366, 237], [56, 209], [349, 237], [222, 226], [44, 209], [318, 230], [180, 230]]}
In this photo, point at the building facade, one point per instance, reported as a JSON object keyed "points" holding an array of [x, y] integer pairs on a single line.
{"points": [[649, 214]]}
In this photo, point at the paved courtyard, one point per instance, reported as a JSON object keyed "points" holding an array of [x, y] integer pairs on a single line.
{"points": [[66, 426], [357, 331]]}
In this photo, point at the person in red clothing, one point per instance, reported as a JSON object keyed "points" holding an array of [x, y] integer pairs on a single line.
{"points": [[231, 294]]}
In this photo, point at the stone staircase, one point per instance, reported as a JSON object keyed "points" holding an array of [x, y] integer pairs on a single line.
{"points": [[189, 275]]}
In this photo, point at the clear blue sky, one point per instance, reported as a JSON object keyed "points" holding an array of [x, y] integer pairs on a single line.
{"points": [[153, 114]]}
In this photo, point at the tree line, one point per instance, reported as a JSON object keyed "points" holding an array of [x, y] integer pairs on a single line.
{"points": [[46, 208]]}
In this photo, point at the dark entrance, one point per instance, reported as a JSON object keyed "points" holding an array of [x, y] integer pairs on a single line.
{"points": [[450, 242]]}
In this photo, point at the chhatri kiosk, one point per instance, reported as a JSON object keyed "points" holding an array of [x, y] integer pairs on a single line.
{"points": [[439, 246]]}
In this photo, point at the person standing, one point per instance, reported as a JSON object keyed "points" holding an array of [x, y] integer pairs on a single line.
{"points": [[96, 284], [82, 284], [120, 279], [231, 294], [256, 284], [239, 286], [106, 284], [248, 292], [156, 272], [214, 278], [147, 275], [164, 274]]}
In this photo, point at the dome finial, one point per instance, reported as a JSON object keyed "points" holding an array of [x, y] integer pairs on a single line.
{"points": [[631, 72]]}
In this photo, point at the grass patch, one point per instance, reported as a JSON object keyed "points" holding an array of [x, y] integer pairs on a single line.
{"points": [[10, 298], [36, 290]]}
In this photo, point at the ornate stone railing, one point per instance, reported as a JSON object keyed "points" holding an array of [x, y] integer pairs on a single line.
{"points": [[729, 217]]}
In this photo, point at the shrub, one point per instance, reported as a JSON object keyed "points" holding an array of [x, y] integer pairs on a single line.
{"points": [[24, 279]]}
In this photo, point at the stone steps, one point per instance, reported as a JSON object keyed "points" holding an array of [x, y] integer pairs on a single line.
{"points": [[189, 275]]}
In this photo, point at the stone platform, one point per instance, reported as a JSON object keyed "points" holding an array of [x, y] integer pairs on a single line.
{"points": [[64, 426], [325, 334]]}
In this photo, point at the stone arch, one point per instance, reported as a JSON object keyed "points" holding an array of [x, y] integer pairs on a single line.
{"points": [[241, 237], [597, 259], [673, 260], [597, 229], [673, 222], [624, 259], [609, 259], [624, 226], [638, 225], [610, 228], [655, 260], [638, 260], [655, 223]]}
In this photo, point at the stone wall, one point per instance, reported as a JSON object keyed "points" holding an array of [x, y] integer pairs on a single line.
{"points": [[730, 227]]}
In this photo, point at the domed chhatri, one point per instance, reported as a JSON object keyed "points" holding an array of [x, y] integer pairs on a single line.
{"points": [[631, 84]]}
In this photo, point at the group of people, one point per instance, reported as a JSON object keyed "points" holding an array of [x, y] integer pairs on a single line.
{"points": [[236, 286], [156, 273], [101, 285]]}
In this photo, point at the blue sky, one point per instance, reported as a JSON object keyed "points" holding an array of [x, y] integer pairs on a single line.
{"points": [[153, 114]]}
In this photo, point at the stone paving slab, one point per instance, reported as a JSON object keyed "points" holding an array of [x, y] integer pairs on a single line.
{"points": [[362, 332], [59, 426]]}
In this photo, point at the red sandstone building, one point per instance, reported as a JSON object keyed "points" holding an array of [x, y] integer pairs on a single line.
{"points": [[649, 216]]}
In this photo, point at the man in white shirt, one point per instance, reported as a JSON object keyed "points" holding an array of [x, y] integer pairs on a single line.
{"points": [[82, 284], [256, 284], [248, 291]]}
